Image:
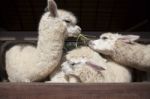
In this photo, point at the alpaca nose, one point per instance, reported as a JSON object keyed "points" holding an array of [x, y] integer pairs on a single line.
{"points": [[91, 43], [78, 29]]}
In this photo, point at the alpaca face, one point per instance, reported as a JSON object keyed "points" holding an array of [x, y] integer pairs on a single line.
{"points": [[66, 17], [69, 66], [72, 30], [106, 43], [81, 58]]}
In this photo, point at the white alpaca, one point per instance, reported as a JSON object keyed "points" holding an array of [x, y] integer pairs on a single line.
{"points": [[124, 50], [87, 66], [26, 63]]}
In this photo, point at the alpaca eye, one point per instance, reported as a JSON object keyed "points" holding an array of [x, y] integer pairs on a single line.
{"points": [[67, 21], [72, 64], [104, 38]]}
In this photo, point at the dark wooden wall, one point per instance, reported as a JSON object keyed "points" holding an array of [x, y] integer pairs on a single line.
{"points": [[93, 15]]}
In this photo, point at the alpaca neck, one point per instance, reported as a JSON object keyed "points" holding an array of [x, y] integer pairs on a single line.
{"points": [[49, 47], [129, 54]]}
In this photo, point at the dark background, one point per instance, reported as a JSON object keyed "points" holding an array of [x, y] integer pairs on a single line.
{"points": [[93, 15]]}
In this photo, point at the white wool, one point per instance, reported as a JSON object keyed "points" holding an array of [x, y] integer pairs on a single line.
{"points": [[26, 63], [59, 78], [113, 72]]}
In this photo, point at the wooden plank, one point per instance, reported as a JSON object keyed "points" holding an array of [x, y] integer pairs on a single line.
{"points": [[74, 91], [35, 33], [32, 35]]}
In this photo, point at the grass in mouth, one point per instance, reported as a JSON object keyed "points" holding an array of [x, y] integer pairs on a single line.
{"points": [[84, 38]]}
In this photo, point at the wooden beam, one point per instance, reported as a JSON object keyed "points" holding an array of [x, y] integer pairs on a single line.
{"points": [[74, 91], [32, 35]]}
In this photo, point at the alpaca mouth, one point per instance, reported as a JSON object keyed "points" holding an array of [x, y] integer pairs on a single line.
{"points": [[76, 34]]}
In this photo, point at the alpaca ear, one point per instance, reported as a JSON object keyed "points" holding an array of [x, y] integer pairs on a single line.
{"points": [[129, 38], [95, 66], [52, 7]]}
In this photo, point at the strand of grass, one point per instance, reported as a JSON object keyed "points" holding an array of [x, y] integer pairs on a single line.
{"points": [[77, 40], [83, 38], [91, 36]]}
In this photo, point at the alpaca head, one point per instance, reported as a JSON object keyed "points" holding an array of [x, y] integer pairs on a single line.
{"points": [[106, 43], [84, 56], [65, 17]]}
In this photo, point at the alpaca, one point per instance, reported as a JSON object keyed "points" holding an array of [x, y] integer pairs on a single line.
{"points": [[87, 66], [124, 50], [27, 63]]}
